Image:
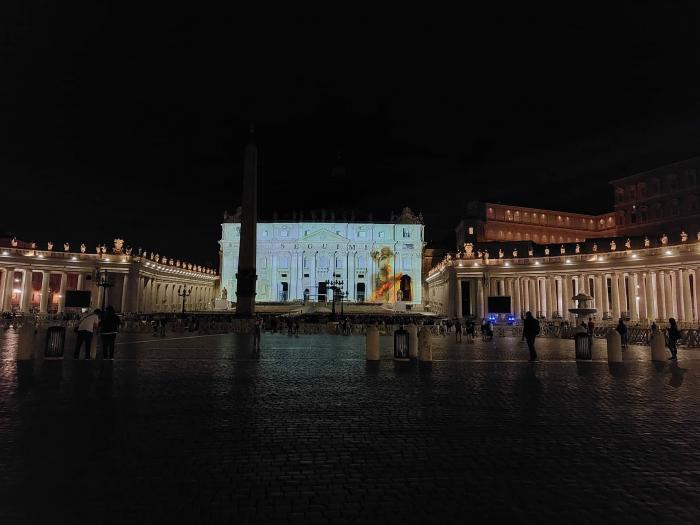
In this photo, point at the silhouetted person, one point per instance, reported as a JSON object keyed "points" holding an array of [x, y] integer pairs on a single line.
{"points": [[109, 326], [257, 333], [674, 334], [591, 326], [87, 326], [531, 328], [458, 331], [622, 330]]}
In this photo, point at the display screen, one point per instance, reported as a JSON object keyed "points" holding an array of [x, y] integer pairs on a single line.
{"points": [[77, 299], [499, 305]]}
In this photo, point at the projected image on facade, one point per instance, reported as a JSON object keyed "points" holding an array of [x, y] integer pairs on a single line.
{"points": [[377, 262]]}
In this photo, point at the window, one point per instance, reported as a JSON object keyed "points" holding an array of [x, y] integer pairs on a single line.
{"points": [[362, 261], [306, 262], [380, 235], [339, 262], [406, 262], [406, 233], [284, 261], [306, 232], [284, 233], [362, 234], [264, 233], [323, 261]]}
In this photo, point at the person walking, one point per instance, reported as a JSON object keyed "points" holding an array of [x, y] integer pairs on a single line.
{"points": [[86, 327], [531, 329], [674, 334], [109, 326], [458, 331], [622, 330], [257, 333]]}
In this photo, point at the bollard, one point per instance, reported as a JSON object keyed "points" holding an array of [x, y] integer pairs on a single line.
{"points": [[425, 350], [372, 343], [412, 341], [614, 347], [27, 340], [658, 346]]}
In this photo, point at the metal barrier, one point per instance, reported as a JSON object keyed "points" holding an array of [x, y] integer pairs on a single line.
{"points": [[55, 341]]}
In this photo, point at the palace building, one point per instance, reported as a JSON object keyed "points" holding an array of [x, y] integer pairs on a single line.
{"points": [[640, 261], [36, 279], [376, 262]]}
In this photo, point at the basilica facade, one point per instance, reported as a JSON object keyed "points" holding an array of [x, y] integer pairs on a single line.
{"points": [[298, 261]]}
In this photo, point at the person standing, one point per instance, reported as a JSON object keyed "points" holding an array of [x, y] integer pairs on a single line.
{"points": [[531, 329], [591, 327], [257, 333], [87, 326], [622, 330], [458, 331], [109, 326], [674, 334]]}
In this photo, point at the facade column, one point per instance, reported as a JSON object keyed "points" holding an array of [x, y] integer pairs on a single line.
{"points": [[632, 296], [642, 292], [26, 299], [533, 297], [668, 296], [458, 299], [687, 302], [44, 299], [598, 280], [661, 295], [62, 293], [696, 291], [125, 292], [583, 284], [615, 296], [551, 296], [6, 286], [480, 298], [526, 294], [517, 308], [81, 281], [649, 294], [565, 296]]}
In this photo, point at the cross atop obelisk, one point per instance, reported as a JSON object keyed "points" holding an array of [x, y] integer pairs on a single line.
{"points": [[246, 276]]}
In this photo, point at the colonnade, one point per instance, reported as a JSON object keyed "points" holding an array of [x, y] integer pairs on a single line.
{"points": [[10, 283], [639, 295], [155, 295]]}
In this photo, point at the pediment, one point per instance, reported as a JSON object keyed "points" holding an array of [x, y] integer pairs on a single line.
{"points": [[324, 235]]}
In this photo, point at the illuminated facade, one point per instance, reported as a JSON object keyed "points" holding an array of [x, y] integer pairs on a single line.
{"points": [[641, 284], [36, 280], [377, 262]]}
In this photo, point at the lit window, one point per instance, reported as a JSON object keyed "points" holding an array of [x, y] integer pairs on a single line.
{"points": [[362, 234], [380, 235], [406, 263], [284, 233]]}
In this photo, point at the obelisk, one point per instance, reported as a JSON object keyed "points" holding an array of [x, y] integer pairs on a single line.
{"points": [[246, 276]]}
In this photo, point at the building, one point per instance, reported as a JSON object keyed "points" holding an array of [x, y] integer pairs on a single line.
{"points": [[36, 280], [661, 200], [377, 262]]}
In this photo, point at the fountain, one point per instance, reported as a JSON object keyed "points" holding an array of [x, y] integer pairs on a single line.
{"points": [[582, 309], [582, 342]]}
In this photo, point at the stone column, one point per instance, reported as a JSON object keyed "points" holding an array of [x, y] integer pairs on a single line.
{"points": [[632, 295], [661, 296], [583, 284], [62, 293], [696, 291], [668, 296], [565, 296], [26, 299], [598, 279], [551, 296], [642, 292], [6, 285], [480, 298], [44, 299], [517, 308], [458, 299], [615, 296], [125, 292], [81, 281], [649, 294], [246, 276], [688, 315], [533, 296]]}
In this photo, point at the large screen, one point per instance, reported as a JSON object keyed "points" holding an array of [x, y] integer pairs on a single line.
{"points": [[77, 299], [499, 305]]}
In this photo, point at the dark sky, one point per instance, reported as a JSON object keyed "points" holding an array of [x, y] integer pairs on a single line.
{"points": [[130, 121]]}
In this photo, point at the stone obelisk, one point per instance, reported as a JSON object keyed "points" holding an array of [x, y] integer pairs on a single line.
{"points": [[246, 276]]}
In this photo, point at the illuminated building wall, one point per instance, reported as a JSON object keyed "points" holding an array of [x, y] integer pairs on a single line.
{"points": [[376, 262]]}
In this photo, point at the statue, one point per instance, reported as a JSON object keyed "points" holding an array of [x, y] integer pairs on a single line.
{"points": [[515, 252], [153, 256], [469, 249], [49, 246], [237, 216], [128, 251], [595, 247], [82, 247], [478, 254], [546, 251], [32, 245], [118, 246], [408, 217], [664, 239], [578, 248], [165, 260], [189, 266], [139, 252], [224, 294], [562, 250], [530, 252], [177, 263], [171, 262], [500, 253], [628, 244], [459, 255], [97, 249], [486, 256], [156, 258], [103, 249], [613, 246], [145, 255], [14, 241], [66, 247], [684, 237], [647, 242]]}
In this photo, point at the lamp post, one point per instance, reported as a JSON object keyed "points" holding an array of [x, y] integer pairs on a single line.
{"points": [[184, 293], [104, 281], [337, 287]]}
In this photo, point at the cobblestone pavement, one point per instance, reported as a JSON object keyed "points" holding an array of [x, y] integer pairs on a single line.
{"points": [[199, 430]]}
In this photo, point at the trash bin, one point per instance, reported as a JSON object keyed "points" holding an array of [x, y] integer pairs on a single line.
{"points": [[401, 345], [55, 341], [583, 346]]}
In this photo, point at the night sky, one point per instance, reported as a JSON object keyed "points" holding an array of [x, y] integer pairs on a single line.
{"points": [[131, 121]]}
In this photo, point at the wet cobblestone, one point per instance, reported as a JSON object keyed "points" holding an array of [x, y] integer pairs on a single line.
{"points": [[200, 430]]}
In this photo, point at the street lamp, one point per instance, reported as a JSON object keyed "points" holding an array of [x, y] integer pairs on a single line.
{"points": [[104, 281], [337, 287], [184, 293]]}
